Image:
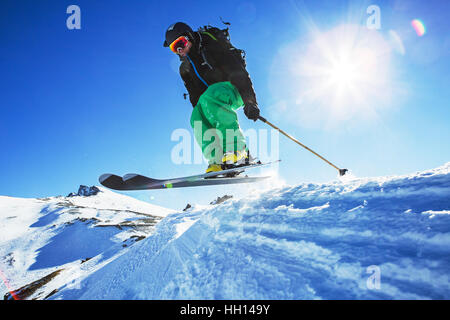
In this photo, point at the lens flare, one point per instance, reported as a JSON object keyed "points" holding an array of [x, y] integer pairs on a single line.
{"points": [[419, 27], [6, 282]]}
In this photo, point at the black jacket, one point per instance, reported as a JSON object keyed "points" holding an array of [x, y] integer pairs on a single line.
{"points": [[214, 63]]}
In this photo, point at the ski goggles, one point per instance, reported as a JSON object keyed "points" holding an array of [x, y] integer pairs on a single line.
{"points": [[180, 42]]}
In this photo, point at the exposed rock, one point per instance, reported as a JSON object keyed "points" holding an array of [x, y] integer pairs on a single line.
{"points": [[85, 191], [29, 289], [84, 260], [219, 200]]}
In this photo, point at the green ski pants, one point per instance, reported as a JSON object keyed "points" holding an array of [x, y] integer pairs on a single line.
{"points": [[215, 122]]}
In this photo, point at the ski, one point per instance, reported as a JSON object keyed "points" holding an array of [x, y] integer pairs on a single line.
{"points": [[134, 181]]}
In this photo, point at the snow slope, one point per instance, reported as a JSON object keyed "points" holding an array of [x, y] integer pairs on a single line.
{"points": [[371, 238], [68, 236]]}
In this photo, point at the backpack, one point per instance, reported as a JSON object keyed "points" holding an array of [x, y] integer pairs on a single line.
{"points": [[222, 36]]}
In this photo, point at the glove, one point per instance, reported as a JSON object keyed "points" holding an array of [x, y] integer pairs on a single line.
{"points": [[251, 111]]}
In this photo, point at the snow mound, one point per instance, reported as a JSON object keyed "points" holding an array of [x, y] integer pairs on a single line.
{"points": [[368, 238], [49, 242]]}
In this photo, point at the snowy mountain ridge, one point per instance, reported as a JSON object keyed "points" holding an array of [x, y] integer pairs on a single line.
{"points": [[354, 238], [60, 235]]}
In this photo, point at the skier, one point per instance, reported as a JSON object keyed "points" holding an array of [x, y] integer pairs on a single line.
{"points": [[218, 84]]}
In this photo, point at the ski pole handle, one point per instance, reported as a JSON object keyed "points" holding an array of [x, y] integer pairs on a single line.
{"points": [[262, 119]]}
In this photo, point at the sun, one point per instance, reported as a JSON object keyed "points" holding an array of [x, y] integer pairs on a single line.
{"points": [[348, 73], [343, 73], [339, 75]]}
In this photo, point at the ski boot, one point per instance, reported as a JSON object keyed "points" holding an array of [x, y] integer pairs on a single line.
{"points": [[214, 167], [232, 160], [235, 159]]}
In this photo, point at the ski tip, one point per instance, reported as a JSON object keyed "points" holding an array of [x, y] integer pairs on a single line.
{"points": [[111, 181], [129, 176], [104, 177]]}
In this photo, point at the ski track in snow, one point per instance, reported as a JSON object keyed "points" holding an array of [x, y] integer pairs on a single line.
{"points": [[311, 241]]}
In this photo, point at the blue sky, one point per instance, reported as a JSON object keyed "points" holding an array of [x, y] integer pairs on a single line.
{"points": [[78, 103]]}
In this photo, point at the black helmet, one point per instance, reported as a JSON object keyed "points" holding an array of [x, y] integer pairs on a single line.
{"points": [[175, 30]]}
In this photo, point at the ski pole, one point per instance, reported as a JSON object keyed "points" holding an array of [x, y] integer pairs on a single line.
{"points": [[341, 171]]}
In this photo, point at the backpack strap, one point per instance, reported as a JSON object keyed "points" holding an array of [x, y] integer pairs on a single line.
{"points": [[202, 52], [209, 34]]}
